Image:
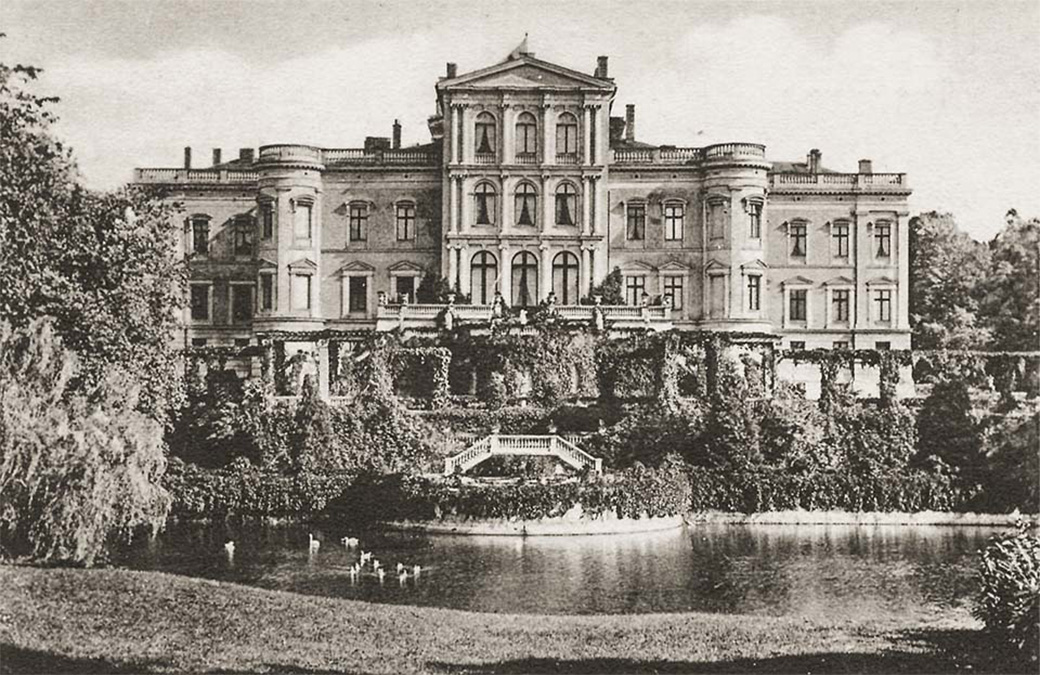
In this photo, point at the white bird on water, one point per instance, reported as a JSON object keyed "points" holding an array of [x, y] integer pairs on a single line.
{"points": [[400, 567], [381, 574], [365, 556], [416, 569], [402, 577], [229, 547], [315, 544]]}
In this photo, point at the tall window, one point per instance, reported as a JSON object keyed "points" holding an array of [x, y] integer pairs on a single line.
{"points": [[567, 138], [797, 239], [840, 235], [526, 137], [267, 220], [635, 287], [674, 214], [754, 292], [301, 291], [200, 235], [883, 239], [636, 229], [405, 288], [483, 275], [358, 222], [526, 204], [565, 278], [798, 301], [525, 279], [405, 221], [266, 292], [755, 220], [485, 134], [200, 302], [303, 220], [485, 203], [241, 303], [840, 304], [243, 236], [566, 204], [883, 304], [673, 291], [358, 289], [840, 344]]}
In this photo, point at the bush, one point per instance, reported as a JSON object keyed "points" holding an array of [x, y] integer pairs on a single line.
{"points": [[1009, 598], [75, 466]]}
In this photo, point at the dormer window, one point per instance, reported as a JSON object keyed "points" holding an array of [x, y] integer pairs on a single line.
{"points": [[484, 196], [526, 204], [566, 204], [883, 239], [526, 138], [485, 134], [567, 139]]}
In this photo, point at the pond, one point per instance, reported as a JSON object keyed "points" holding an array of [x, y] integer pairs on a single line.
{"points": [[811, 571]]}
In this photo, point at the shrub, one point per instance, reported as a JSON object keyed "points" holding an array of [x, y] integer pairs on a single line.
{"points": [[75, 466], [1009, 598], [1013, 476]]}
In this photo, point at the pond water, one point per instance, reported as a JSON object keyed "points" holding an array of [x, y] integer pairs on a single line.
{"points": [[812, 571]]}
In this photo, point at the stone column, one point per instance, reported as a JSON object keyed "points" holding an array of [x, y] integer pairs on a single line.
{"points": [[465, 217], [505, 205], [585, 271], [546, 269], [508, 135], [548, 144], [587, 195], [453, 266], [505, 277], [453, 204], [586, 135], [547, 204], [455, 113], [464, 276]]}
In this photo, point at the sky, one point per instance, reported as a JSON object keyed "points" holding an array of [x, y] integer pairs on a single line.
{"points": [[945, 91]]}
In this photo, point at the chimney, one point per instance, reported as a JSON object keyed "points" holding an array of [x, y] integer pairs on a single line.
{"points": [[397, 135], [187, 157], [630, 122], [866, 166], [813, 161], [453, 70], [245, 155], [617, 129], [601, 67], [216, 156]]}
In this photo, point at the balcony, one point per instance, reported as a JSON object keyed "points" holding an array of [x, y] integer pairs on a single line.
{"points": [[392, 315], [195, 176], [672, 156], [839, 182], [357, 156], [526, 158], [484, 158], [566, 158]]}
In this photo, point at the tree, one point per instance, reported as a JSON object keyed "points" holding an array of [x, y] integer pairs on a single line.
{"points": [[611, 289], [946, 266], [76, 465], [101, 264], [1011, 305], [946, 429]]}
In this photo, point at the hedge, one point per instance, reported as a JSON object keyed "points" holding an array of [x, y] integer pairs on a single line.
{"points": [[1008, 601]]}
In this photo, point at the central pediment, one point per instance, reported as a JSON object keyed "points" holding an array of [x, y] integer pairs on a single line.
{"points": [[525, 73]]}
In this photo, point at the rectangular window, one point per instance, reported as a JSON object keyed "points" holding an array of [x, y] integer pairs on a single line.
{"points": [[199, 302], [358, 294], [674, 214], [241, 342], [358, 222], [754, 293], [883, 303], [405, 288], [884, 345], [840, 235], [755, 220], [199, 342], [200, 236], [241, 303], [636, 222], [883, 238], [266, 292], [405, 222], [798, 239], [635, 287], [301, 291], [303, 221], [243, 237], [798, 345], [673, 291], [267, 221], [840, 304], [841, 344], [798, 302]]}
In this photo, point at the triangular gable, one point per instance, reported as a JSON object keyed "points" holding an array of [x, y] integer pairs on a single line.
{"points": [[798, 281], [636, 266], [267, 264], [357, 266], [715, 265], [882, 281], [303, 264], [754, 265], [839, 281], [674, 266], [525, 71], [405, 266]]}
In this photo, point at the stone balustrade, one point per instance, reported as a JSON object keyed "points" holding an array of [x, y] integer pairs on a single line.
{"points": [[195, 176], [858, 182], [670, 155]]}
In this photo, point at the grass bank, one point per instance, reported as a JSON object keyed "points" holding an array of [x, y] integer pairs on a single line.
{"points": [[111, 620]]}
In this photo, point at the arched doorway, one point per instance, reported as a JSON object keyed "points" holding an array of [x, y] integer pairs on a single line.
{"points": [[483, 278], [525, 279], [565, 278]]}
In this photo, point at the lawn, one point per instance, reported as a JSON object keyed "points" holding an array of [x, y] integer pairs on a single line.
{"points": [[112, 620]]}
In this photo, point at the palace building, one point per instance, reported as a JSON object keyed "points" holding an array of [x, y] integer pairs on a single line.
{"points": [[532, 187]]}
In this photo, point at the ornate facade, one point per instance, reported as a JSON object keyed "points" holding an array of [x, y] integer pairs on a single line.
{"points": [[530, 187]]}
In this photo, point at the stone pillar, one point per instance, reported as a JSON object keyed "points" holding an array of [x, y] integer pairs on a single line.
{"points": [[505, 276], [584, 271], [464, 276], [323, 369], [453, 204], [546, 285], [547, 204], [586, 135], [508, 135], [453, 266], [505, 204], [453, 132], [548, 139], [587, 195], [465, 217]]}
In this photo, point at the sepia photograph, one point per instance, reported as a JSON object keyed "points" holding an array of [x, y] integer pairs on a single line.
{"points": [[519, 336]]}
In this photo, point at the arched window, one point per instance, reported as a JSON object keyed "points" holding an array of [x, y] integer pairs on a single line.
{"points": [[566, 204], [565, 278], [485, 203], [525, 279], [485, 135], [526, 204], [567, 138], [526, 137], [483, 277]]}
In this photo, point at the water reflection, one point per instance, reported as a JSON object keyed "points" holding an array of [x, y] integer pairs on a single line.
{"points": [[825, 571]]}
